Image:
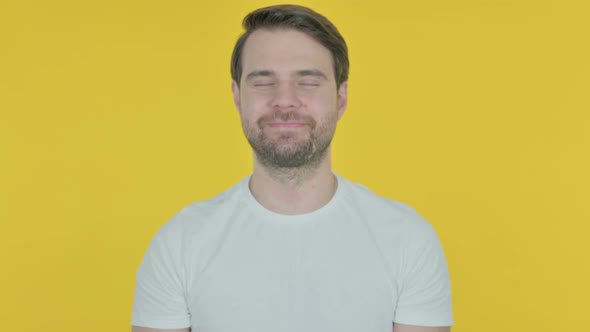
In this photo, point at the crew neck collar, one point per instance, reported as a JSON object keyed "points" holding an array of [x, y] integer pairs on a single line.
{"points": [[291, 218]]}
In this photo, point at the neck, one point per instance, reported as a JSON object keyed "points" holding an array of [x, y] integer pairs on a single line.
{"points": [[293, 190]]}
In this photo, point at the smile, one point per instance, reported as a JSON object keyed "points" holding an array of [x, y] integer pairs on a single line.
{"points": [[287, 125]]}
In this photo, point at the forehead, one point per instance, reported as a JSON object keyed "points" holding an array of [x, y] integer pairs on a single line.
{"points": [[285, 51]]}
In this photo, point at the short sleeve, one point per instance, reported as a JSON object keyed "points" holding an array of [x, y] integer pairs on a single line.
{"points": [[160, 300], [424, 294]]}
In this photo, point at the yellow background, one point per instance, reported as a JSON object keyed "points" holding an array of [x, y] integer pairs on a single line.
{"points": [[116, 114]]}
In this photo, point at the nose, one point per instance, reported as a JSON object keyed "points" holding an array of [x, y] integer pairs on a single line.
{"points": [[285, 97]]}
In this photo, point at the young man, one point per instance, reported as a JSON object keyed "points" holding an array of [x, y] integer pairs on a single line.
{"points": [[293, 247]]}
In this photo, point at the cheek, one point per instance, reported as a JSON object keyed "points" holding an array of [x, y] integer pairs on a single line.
{"points": [[256, 100], [322, 104], [251, 106]]}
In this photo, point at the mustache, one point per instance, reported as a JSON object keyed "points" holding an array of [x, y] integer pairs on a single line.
{"points": [[281, 116]]}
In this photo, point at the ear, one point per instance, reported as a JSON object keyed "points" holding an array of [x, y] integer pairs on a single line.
{"points": [[235, 90], [342, 98]]}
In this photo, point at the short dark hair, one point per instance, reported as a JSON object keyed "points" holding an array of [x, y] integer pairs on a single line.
{"points": [[299, 18]]}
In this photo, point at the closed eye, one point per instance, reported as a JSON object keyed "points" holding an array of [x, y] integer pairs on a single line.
{"points": [[309, 83], [263, 83]]}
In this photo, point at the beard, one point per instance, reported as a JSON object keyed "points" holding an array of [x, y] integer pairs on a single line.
{"points": [[290, 149]]}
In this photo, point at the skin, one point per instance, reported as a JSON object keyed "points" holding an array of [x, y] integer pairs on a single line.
{"points": [[288, 56], [287, 97]]}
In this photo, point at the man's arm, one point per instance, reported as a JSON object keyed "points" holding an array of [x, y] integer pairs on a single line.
{"points": [[159, 300], [412, 328], [147, 329]]}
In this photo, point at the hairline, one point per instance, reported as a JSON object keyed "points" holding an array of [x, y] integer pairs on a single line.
{"points": [[306, 71], [285, 27], [314, 72]]}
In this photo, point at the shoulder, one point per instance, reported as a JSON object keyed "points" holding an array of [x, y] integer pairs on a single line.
{"points": [[197, 216], [365, 199], [358, 192], [386, 217]]}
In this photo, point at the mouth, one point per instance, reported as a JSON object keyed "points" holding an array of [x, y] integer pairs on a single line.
{"points": [[287, 125]]}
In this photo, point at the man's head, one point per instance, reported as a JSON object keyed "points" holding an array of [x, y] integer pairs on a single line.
{"points": [[289, 87], [297, 18]]}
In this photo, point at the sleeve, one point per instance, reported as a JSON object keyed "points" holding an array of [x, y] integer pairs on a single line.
{"points": [[160, 300], [424, 291]]}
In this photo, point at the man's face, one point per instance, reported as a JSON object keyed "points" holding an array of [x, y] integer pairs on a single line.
{"points": [[287, 98]]}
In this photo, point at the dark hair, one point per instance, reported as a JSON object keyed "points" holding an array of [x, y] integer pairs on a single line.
{"points": [[299, 18]]}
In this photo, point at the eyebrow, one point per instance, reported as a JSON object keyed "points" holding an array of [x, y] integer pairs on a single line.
{"points": [[258, 73], [270, 73], [312, 72]]}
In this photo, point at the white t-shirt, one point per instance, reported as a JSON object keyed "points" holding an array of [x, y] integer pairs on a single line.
{"points": [[359, 263]]}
